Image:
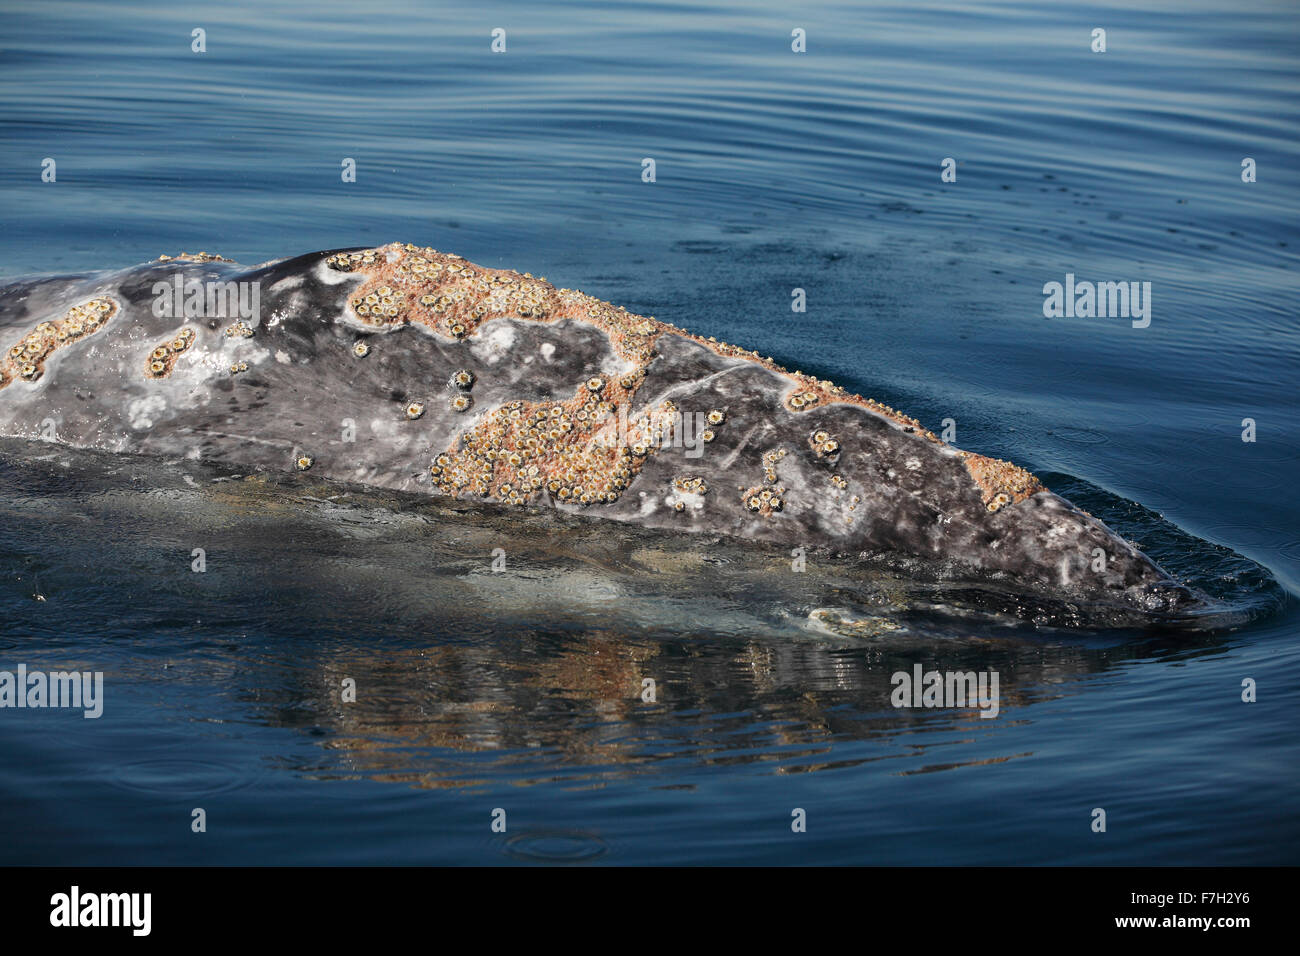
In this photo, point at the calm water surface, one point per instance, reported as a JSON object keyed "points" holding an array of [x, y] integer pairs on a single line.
{"points": [[774, 171]]}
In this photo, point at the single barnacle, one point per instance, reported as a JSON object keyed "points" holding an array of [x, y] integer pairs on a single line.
{"points": [[821, 437], [464, 378], [30, 371], [716, 417], [461, 403], [361, 350], [304, 462], [160, 352], [595, 384], [157, 367], [414, 410]]}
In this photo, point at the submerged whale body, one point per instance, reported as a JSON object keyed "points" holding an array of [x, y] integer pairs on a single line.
{"points": [[412, 369]]}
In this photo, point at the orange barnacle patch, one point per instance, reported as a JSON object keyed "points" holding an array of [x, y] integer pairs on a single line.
{"points": [[406, 284], [25, 358], [573, 450], [1000, 482]]}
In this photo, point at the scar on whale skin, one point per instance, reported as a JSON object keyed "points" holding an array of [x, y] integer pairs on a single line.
{"points": [[25, 359]]}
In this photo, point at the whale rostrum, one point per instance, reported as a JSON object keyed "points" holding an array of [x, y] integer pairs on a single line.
{"points": [[413, 369]]}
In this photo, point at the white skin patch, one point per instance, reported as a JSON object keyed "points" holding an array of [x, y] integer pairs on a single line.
{"points": [[140, 411], [493, 345], [548, 350], [283, 357], [330, 276], [692, 501]]}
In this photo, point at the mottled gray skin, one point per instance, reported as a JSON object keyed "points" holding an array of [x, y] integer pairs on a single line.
{"points": [[304, 383]]}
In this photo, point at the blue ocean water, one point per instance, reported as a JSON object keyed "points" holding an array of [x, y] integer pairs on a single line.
{"points": [[774, 170]]}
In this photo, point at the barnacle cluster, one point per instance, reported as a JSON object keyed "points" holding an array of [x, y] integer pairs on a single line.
{"points": [[692, 484], [762, 500], [384, 306], [238, 367], [1000, 482], [412, 284], [195, 257], [240, 330], [162, 359], [823, 444], [687, 485], [25, 359], [569, 450], [770, 460], [801, 399], [348, 261]]}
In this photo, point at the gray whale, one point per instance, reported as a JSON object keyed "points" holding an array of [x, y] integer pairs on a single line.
{"points": [[416, 370]]}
